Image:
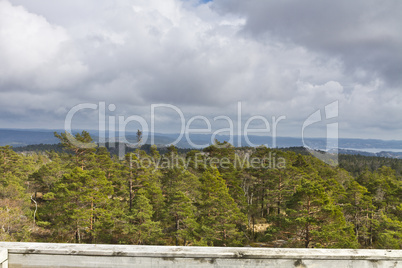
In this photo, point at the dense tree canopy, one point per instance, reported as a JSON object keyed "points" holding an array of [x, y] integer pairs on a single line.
{"points": [[220, 196]]}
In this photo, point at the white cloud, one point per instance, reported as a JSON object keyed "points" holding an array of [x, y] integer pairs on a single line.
{"points": [[200, 57], [33, 53]]}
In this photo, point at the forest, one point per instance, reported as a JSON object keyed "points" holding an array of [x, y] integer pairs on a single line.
{"points": [[218, 196]]}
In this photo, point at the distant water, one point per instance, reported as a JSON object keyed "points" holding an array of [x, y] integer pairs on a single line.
{"points": [[374, 150]]}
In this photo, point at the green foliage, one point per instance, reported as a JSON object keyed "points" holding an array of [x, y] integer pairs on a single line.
{"points": [[390, 236], [15, 215], [220, 217], [315, 220], [220, 196], [140, 228], [79, 205], [182, 218]]}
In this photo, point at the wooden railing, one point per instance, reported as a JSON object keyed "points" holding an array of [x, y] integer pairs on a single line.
{"points": [[3, 258], [34, 255]]}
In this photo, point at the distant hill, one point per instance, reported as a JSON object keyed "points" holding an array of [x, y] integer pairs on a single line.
{"points": [[368, 147], [16, 138], [378, 154]]}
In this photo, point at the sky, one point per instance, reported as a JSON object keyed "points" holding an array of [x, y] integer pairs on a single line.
{"points": [[204, 60]]}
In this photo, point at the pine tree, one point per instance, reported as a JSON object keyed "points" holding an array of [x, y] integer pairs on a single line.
{"points": [[78, 203], [221, 220], [314, 220], [181, 212], [140, 228], [390, 230], [358, 209], [81, 145]]}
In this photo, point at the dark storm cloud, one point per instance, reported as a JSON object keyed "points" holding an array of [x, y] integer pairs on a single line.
{"points": [[364, 34], [277, 58]]}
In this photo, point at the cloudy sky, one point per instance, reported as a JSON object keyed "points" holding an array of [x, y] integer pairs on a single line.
{"points": [[277, 58]]}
